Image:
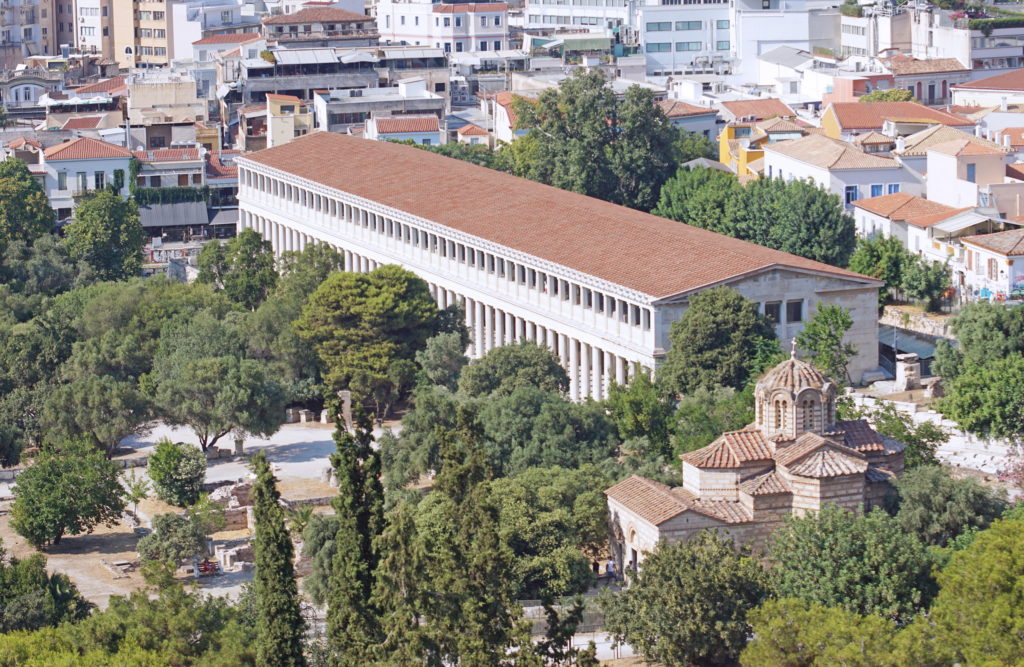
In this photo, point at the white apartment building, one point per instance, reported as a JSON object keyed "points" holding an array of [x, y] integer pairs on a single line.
{"points": [[686, 38], [762, 25], [92, 24], [453, 27], [606, 17], [599, 284], [936, 34]]}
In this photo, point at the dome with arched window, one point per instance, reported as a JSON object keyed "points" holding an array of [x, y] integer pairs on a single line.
{"points": [[793, 398]]}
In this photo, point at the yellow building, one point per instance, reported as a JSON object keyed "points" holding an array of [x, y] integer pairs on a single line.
{"points": [[287, 117], [141, 32], [741, 144]]}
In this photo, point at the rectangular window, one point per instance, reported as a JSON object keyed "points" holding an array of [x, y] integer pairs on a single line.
{"points": [[876, 190], [773, 311], [483, 45], [483, 21], [893, 188], [99, 180], [689, 25], [722, 45], [447, 22], [722, 24], [83, 181], [851, 194], [688, 46], [62, 180], [660, 26], [993, 269], [497, 45], [794, 311], [659, 47], [497, 21], [401, 20], [458, 21], [972, 172]]}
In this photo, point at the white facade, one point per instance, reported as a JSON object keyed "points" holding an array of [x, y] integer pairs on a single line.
{"points": [[680, 39], [64, 179], [600, 330], [454, 28], [936, 34], [93, 26], [762, 25], [598, 16], [849, 184], [987, 269]]}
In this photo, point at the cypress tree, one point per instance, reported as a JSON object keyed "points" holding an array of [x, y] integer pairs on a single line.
{"points": [[279, 623], [353, 624]]}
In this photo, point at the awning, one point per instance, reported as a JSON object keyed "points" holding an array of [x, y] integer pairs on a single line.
{"points": [[305, 56], [905, 341], [180, 214]]}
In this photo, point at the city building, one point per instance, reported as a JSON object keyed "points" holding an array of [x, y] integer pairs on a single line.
{"points": [[288, 117], [339, 110], [845, 120], [686, 39], [992, 91], [321, 26], [795, 458], [27, 28], [928, 80], [994, 264], [170, 167], [755, 109], [977, 43], [75, 167], [455, 28], [741, 143], [690, 117], [163, 109], [598, 283], [926, 228]]}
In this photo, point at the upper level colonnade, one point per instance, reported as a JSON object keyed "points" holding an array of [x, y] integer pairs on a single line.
{"points": [[600, 331]]}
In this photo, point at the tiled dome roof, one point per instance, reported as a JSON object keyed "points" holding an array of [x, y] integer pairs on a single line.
{"points": [[793, 375]]}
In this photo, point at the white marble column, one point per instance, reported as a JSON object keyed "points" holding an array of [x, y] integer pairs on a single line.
{"points": [[585, 371], [478, 330], [597, 381], [499, 328], [609, 371], [510, 329], [520, 330], [574, 370], [488, 329]]}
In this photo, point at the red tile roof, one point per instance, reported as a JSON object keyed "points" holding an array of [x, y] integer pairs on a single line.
{"points": [[318, 15], [652, 501], [21, 142], [768, 484], [872, 115], [470, 130], [858, 435], [470, 8], [904, 206], [731, 450], [505, 99], [1016, 135], [815, 456], [1012, 80], [406, 124], [282, 98], [904, 65], [1009, 243], [217, 168], [84, 148], [959, 147], [652, 255], [1015, 170], [167, 155], [106, 86], [230, 38], [676, 109], [82, 123], [760, 109]]}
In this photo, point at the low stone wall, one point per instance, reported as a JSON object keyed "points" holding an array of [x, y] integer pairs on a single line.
{"points": [[918, 322]]}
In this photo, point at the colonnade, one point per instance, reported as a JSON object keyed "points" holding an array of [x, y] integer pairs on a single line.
{"points": [[590, 368]]}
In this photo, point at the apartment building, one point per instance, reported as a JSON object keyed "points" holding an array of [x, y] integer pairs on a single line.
{"points": [[27, 28], [455, 28]]}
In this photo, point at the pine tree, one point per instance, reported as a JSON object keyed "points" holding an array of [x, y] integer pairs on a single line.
{"points": [[279, 625], [353, 625]]}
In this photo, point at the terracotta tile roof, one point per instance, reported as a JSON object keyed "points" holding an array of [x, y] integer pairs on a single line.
{"points": [[21, 142], [106, 86], [471, 130], [84, 148], [731, 450], [643, 252], [1012, 80], [829, 153], [919, 142], [874, 138], [872, 115], [317, 15], [760, 109], [82, 123], [1015, 170], [768, 484], [652, 501], [167, 155], [505, 99], [230, 38], [217, 168], [728, 511], [793, 375], [252, 109], [925, 221], [904, 206], [470, 7], [904, 66], [1016, 135], [397, 124], [858, 435], [779, 125], [815, 456], [282, 98], [676, 109], [964, 110], [876, 474], [959, 147], [1009, 243]]}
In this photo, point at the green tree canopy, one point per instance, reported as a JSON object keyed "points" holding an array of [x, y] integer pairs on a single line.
{"points": [[988, 398], [985, 332], [106, 233], [937, 507], [713, 342], [504, 369], [66, 491], [442, 359], [243, 268], [705, 414], [178, 471], [863, 564], [689, 603], [888, 95], [925, 281], [100, 408], [823, 337], [25, 212], [175, 538], [882, 257], [32, 598], [641, 410]]}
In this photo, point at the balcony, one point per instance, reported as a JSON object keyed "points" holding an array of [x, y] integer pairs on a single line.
{"points": [[323, 35]]}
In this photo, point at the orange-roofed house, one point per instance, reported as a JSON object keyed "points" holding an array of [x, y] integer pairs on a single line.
{"points": [[473, 135], [423, 130], [993, 91], [79, 166], [756, 109], [502, 107], [690, 117], [994, 265], [741, 143], [845, 120], [455, 27], [964, 172], [795, 458]]}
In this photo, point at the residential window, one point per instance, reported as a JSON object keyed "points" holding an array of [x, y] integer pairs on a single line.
{"points": [[972, 172], [483, 45], [851, 194], [458, 21], [497, 21], [99, 180], [426, 141], [62, 180], [893, 188], [497, 45], [415, 20], [794, 311], [723, 45], [876, 190], [401, 20], [659, 26], [722, 24], [688, 46], [83, 181], [483, 21], [773, 311], [993, 269], [689, 25], [225, 17], [458, 47], [447, 22], [659, 47]]}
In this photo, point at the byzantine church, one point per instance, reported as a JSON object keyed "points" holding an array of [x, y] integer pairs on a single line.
{"points": [[793, 459]]}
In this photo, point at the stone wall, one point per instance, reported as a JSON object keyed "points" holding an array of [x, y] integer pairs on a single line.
{"points": [[921, 323]]}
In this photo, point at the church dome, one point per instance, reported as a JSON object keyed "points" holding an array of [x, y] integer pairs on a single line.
{"points": [[793, 398], [794, 376]]}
